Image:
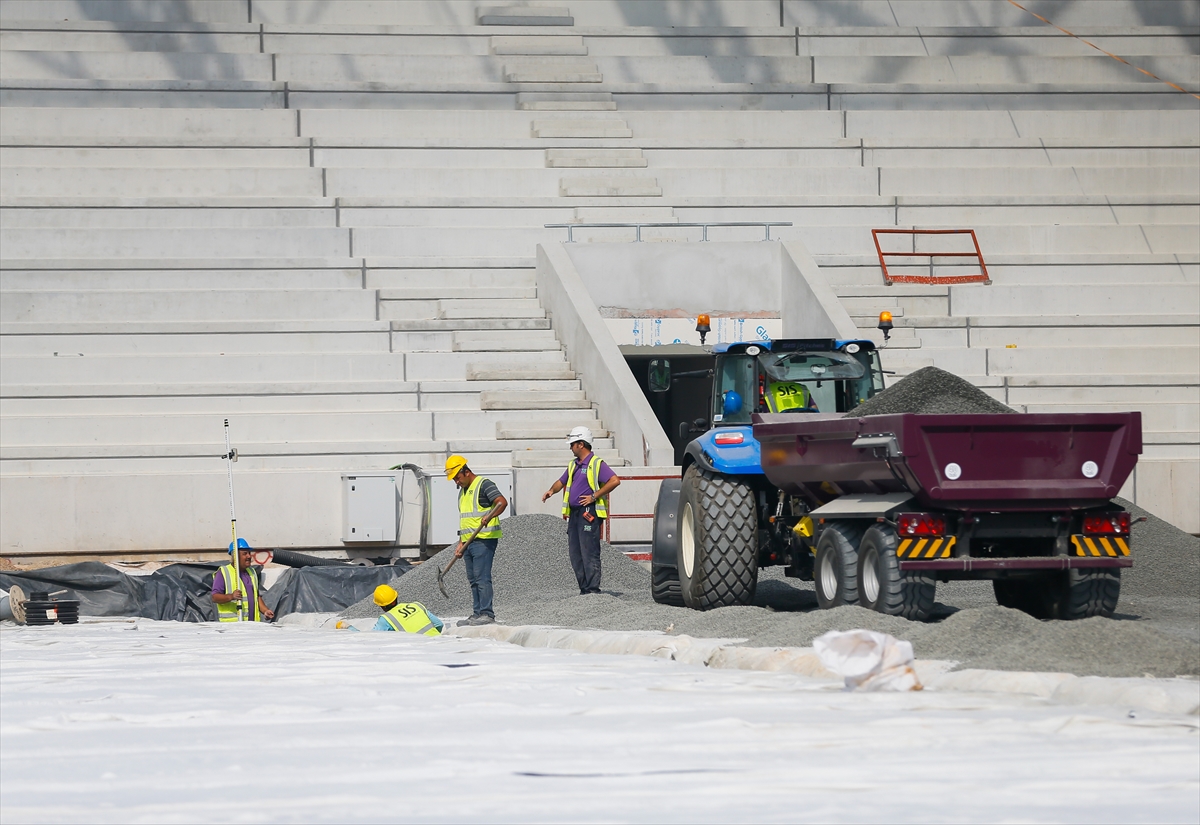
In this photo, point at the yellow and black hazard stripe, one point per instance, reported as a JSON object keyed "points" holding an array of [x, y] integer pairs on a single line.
{"points": [[925, 548], [1100, 546]]}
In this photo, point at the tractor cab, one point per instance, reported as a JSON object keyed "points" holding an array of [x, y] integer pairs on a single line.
{"points": [[798, 376], [794, 376]]}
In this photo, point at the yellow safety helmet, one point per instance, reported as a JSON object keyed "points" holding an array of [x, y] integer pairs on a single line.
{"points": [[454, 464], [385, 595]]}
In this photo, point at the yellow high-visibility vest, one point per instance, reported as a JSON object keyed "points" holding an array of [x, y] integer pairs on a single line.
{"points": [[470, 513], [787, 395], [411, 617], [593, 480], [228, 611]]}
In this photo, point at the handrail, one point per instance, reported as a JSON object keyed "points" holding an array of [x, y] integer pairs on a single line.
{"points": [[571, 227]]}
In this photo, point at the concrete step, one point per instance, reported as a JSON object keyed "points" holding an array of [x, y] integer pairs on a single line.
{"points": [[546, 445], [268, 242], [87, 277], [560, 44], [166, 157], [533, 400], [582, 128], [523, 16], [248, 428], [625, 214], [85, 182], [566, 101], [563, 70], [378, 278], [451, 325], [258, 369], [526, 430], [213, 343], [461, 293], [595, 158], [1183, 360], [472, 308], [229, 405], [489, 372], [554, 458], [609, 186], [505, 341], [1155, 417], [1081, 299], [484, 424], [186, 305], [475, 387], [452, 366]]}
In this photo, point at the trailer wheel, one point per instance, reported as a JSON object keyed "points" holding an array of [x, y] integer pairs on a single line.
{"points": [[1090, 592], [664, 575], [718, 553], [836, 573], [1033, 595], [881, 585]]}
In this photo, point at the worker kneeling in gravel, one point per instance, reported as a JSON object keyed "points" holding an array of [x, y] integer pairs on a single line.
{"points": [[585, 485], [479, 507], [404, 617], [228, 593]]}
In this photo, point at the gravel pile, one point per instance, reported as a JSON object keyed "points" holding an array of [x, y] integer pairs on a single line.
{"points": [[1156, 630], [932, 391], [531, 564]]}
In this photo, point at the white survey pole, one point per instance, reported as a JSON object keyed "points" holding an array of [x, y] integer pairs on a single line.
{"points": [[230, 456]]}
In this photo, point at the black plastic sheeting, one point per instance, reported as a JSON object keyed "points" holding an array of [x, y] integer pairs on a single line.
{"points": [[183, 592]]}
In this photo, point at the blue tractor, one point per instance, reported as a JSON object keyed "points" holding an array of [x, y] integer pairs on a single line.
{"points": [[723, 520]]}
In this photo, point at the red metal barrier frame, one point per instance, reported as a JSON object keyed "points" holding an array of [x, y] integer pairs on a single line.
{"points": [[889, 279]]}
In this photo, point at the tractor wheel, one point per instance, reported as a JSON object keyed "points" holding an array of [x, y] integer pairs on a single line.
{"points": [[836, 573], [881, 585], [718, 550], [664, 575]]}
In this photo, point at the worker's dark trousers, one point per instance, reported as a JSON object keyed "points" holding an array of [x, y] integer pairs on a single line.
{"points": [[584, 539]]}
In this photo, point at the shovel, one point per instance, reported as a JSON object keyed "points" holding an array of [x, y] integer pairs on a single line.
{"points": [[442, 571]]}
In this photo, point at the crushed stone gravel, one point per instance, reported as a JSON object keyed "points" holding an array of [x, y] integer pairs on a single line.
{"points": [[534, 585], [930, 390]]}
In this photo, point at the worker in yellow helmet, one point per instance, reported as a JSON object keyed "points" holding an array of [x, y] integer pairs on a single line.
{"points": [[404, 617], [479, 507]]}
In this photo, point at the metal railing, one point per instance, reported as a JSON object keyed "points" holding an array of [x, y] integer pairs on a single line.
{"points": [[571, 227], [890, 278]]}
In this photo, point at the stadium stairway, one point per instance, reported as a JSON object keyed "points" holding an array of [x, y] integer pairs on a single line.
{"points": [[324, 221]]}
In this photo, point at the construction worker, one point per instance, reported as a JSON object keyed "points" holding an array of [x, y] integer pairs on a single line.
{"points": [[782, 395], [228, 594], [586, 484], [406, 617], [479, 507]]}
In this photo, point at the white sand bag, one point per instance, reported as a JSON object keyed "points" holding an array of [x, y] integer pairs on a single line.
{"points": [[868, 660]]}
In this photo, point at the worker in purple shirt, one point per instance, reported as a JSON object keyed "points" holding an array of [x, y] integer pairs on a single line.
{"points": [[585, 485]]}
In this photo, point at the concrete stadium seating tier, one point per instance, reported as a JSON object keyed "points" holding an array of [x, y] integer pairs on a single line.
{"points": [[320, 219]]}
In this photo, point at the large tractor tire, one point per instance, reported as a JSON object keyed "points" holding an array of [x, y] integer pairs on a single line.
{"points": [[881, 585], [1072, 594], [664, 556], [718, 550], [836, 573]]}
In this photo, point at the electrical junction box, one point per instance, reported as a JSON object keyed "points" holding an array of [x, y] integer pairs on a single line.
{"points": [[370, 507], [443, 522]]}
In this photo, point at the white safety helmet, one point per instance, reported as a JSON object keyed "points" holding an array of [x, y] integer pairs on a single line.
{"points": [[580, 434]]}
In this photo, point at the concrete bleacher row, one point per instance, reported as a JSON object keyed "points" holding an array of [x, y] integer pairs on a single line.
{"points": [[206, 215]]}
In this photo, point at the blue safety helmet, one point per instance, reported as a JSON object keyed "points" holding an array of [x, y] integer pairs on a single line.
{"points": [[732, 403], [242, 545]]}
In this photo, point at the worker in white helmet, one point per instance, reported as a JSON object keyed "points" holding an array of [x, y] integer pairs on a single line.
{"points": [[585, 486]]}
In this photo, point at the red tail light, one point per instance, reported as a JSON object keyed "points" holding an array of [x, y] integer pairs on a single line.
{"points": [[1108, 524], [728, 438], [920, 524]]}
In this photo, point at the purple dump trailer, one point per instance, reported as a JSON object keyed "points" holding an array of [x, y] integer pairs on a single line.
{"points": [[893, 503]]}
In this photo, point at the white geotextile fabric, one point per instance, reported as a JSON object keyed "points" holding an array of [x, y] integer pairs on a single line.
{"points": [[143, 721]]}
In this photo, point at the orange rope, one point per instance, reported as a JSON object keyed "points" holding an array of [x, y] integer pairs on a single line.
{"points": [[1110, 54]]}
